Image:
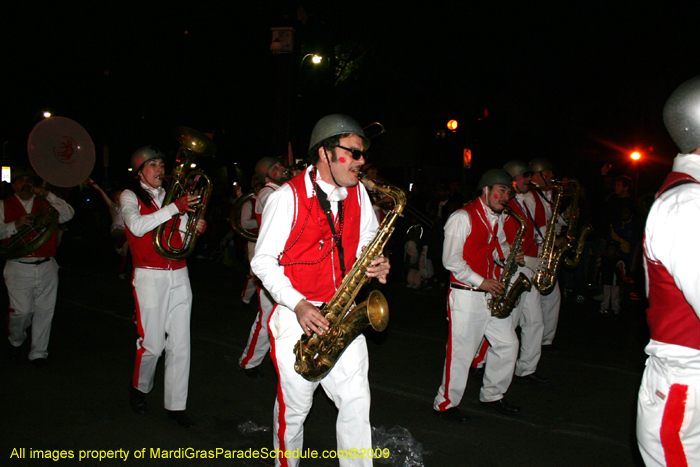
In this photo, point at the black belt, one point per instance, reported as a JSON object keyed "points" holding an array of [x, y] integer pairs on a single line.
{"points": [[462, 287], [34, 263]]}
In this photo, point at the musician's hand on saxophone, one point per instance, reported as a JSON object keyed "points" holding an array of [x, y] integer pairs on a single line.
{"points": [[492, 286], [520, 258], [201, 226], [379, 268], [310, 318]]}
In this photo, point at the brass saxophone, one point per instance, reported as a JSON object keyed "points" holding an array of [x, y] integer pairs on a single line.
{"points": [[546, 277], [502, 304], [576, 240], [316, 355]]}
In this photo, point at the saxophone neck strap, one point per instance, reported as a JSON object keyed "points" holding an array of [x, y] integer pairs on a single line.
{"points": [[326, 207]]}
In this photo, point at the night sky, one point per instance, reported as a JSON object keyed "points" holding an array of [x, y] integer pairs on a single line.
{"points": [[579, 83]]}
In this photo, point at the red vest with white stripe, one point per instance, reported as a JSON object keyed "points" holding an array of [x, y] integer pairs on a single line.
{"points": [[308, 263], [143, 254], [14, 209], [671, 318], [479, 244], [512, 225]]}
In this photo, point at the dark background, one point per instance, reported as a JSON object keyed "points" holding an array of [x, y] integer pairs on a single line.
{"points": [[579, 83]]}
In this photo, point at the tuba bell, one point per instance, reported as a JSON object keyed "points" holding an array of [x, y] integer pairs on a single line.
{"points": [[62, 153], [185, 181]]}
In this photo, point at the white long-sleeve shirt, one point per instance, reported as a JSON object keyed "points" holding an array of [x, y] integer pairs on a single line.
{"points": [[671, 238], [277, 220], [457, 229], [140, 224]]}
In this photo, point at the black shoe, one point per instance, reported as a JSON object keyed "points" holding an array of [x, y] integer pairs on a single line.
{"points": [[181, 418], [13, 352], [502, 406], [452, 415], [533, 378], [137, 399], [40, 362], [253, 373], [476, 372]]}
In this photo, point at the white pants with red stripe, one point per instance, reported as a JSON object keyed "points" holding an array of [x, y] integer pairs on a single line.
{"points": [[346, 385], [668, 413], [163, 305], [550, 314], [259, 340], [469, 321], [32, 291], [528, 315]]}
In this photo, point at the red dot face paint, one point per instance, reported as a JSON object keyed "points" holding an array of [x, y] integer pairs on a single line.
{"points": [[342, 160], [495, 196]]}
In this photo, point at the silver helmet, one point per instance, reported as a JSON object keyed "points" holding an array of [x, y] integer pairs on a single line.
{"points": [[334, 125], [516, 167], [263, 166], [144, 154], [540, 164], [495, 177], [682, 115]]}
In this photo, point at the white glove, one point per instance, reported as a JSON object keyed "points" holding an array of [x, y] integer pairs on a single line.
{"points": [[534, 263]]}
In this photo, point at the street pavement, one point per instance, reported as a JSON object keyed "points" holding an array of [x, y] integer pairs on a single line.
{"points": [[79, 402]]}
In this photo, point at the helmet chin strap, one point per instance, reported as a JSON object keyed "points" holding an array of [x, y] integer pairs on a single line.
{"points": [[328, 160]]}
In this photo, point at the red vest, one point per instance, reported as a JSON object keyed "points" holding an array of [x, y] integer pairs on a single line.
{"points": [[479, 244], [540, 214], [671, 318], [512, 225], [143, 254], [14, 210], [307, 262]]}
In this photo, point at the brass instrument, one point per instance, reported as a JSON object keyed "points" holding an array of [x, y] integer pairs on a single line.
{"points": [[546, 278], [316, 355], [185, 181], [576, 239], [62, 153], [501, 305], [30, 237], [236, 218]]}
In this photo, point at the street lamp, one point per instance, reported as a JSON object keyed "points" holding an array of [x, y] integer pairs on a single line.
{"points": [[315, 59]]}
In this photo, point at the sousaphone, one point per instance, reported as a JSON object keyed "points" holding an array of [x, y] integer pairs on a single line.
{"points": [[62, 153]]}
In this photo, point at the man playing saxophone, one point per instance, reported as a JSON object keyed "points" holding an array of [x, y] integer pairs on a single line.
{"points": [[474, 240], [528, 313], [161, 287], [540, 205], [312, 229]]}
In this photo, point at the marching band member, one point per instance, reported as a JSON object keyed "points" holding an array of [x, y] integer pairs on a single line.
{"points": [[668, 426], [161, 288], [273, 174], [528, 313], [541, 207], [32, 281], [472, 245], [312, 230], [249, 222]]}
